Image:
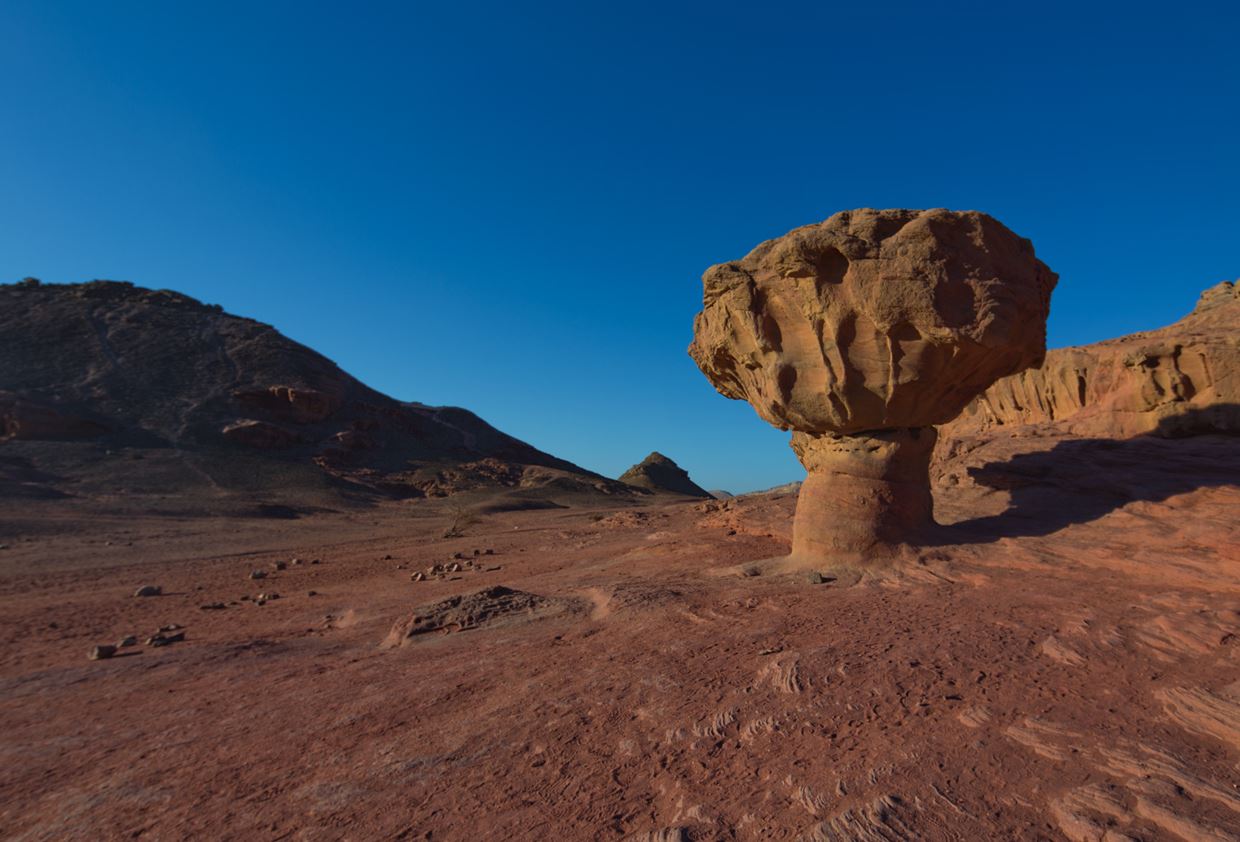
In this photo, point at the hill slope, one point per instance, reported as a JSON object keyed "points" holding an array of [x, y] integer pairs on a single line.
{"points": [[107, 388]]}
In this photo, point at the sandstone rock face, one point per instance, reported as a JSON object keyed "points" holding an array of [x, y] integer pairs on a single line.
{"points": [[32, 420], [1177, 380], [260, 434], [873, 319], [299, 405], [658, 473], [861, 333]]}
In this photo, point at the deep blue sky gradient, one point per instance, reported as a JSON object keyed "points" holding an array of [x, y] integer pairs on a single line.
{"points": [[508, 207]]}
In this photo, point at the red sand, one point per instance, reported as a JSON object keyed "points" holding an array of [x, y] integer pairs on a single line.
{"points": [[1069, 669]]}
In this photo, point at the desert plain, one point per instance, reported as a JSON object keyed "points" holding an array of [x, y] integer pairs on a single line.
{"points": [[379, 620], [1066, 670]]}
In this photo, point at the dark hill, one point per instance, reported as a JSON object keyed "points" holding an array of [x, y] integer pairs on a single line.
{"points": [[111, 389], [658, 473]]}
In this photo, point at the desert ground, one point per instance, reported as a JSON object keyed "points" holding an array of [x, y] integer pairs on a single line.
{"points": [[1062, 663]]}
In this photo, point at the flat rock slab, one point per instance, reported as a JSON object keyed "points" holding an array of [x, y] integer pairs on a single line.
{"points": [[487, 607]]}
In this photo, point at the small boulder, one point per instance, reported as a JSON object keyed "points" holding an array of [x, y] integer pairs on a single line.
{"points": [[149, 590], [162, 639], [102, 652], [258, 574], [127, 640]]}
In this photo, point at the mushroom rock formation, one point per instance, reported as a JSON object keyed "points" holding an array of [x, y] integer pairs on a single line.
{"points": [[860, 334]]}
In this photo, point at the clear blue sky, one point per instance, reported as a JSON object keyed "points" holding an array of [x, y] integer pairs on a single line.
{"points": [[508, 207]]}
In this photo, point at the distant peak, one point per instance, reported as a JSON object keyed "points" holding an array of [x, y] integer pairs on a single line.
{"points": [[659, 473]]}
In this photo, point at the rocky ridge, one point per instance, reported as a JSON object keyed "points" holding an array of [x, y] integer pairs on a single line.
{"points": [[1177, 380], [107, 388]]}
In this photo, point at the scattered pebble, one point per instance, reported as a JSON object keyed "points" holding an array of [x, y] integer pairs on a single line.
{"points": [[279, 565], [127, 640], [298, 561], [312, 593], [458, 555], [387, 558], [417, 577], [258, 574], [267, 597], [477, 552], [169, 627], [149, 590], [102, 653], [494, 567], [488, 551], [212, 606], [4, 546], [815, 578], [455, 568], [315, 561]]}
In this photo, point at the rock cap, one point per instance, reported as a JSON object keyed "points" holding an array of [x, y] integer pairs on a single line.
{"points": [[873, 319]]}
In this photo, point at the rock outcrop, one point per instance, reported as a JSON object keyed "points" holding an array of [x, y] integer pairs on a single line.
{"points": [[22, 418], [1177, 380], [659, 474], [110, 386], [861, 333]]}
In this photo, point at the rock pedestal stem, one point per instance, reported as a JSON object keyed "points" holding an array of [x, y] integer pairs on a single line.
{"points": [[864, 497]]}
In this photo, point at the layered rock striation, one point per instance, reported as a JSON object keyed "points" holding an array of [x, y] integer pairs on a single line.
{"points": [[1177, 380]]}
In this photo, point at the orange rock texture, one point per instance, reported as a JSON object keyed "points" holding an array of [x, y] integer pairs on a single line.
{"points": [[861, 333], [1178, 380]]}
